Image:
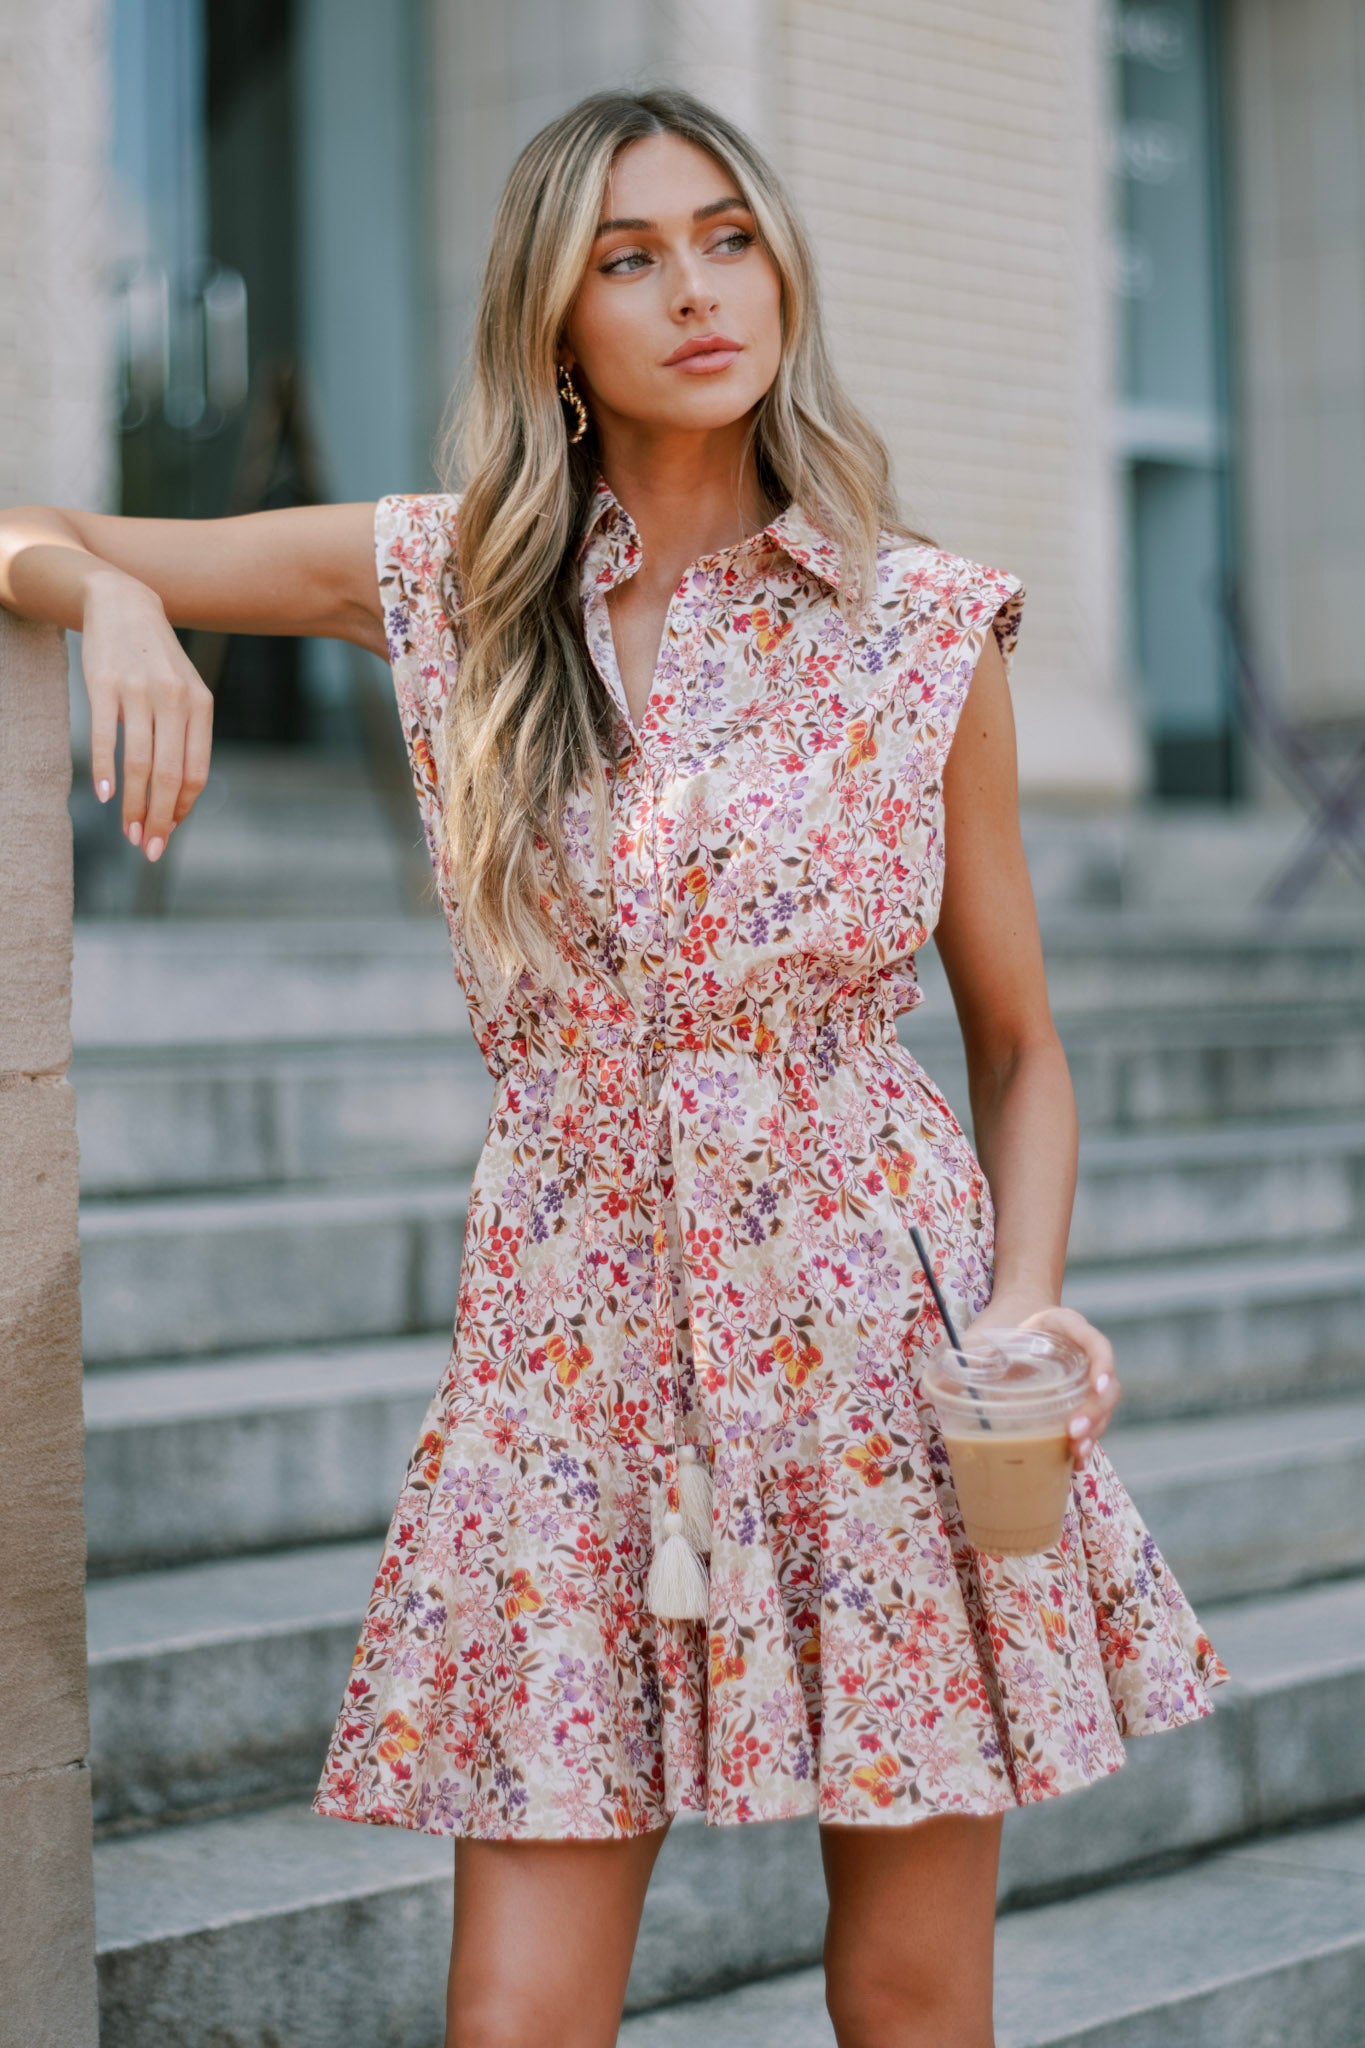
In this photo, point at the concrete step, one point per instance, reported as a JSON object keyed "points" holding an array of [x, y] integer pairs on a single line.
{"points": [[1261, 1946], [251, 980], [278, 1913], [307, 830], [170, 1118], [1182, 1065], [1192, 1336], [1143, 855], [1206, 1335], [218, 1683], [163, 1118], [251, 1452], [1250, 1503], [1144, 1194], [263, 1450], [163, 1274], [169, 981], [202, 1274]]}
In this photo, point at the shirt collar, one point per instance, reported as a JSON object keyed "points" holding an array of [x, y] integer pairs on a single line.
{"points": [[793, 530]]}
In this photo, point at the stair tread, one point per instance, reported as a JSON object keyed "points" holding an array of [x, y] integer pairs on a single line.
{"points": [[1232, 1916], [1182, 1023], [1172, 1147], [1291, 1272], [1147, 1451], [1236, 1917], [299, 1376], [1222, 1143], [294, 1376], [181, 1607], [218, 1209], [178, 1881], [1269, 1637], [232, 979]]}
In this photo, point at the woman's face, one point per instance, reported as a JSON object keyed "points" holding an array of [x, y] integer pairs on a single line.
{"points": [[679, 258]]}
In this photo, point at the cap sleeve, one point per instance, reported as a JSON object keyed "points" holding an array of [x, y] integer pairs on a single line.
{"points": [[958, 602], [414, 537]]}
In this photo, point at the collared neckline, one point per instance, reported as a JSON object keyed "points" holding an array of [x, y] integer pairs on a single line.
{"points": [[793, 530]]}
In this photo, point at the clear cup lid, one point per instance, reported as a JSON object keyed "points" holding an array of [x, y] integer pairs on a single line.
{"points": [[1008, 1366]]}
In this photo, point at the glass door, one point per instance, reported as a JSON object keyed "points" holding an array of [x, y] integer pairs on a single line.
{"points": [[1172, 412]]}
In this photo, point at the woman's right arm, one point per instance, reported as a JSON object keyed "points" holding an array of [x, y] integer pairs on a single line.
{"points": [[123, 584]]}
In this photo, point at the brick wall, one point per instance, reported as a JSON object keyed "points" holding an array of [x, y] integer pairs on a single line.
{"points": [[949, 161]]}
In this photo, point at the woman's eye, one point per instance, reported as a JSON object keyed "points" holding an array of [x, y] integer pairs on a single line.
{"points": [[625, 260]]}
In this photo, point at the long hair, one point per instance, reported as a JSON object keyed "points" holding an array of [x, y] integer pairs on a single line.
{"points": [[526, 721]]}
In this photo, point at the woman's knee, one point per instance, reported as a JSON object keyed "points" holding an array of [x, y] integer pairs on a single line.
{"points": [[509, 2017], [874, 2008]]}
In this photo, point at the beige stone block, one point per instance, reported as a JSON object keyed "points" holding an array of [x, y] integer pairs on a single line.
{"points": [[1340, 285], [42, 1522], [1326, 678], [47, 1930], [35, 848]]}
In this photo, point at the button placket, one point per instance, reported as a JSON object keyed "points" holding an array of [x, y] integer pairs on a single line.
{"points": [[680, 1515]]}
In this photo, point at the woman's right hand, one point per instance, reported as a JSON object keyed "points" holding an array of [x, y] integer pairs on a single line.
{"points": [[125, 583], [137, 671]]}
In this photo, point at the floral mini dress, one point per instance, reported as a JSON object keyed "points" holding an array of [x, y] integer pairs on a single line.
{"points": [[687, 1256]]}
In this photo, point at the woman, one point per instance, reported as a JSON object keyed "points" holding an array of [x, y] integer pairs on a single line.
{"points": [[692, 719]]}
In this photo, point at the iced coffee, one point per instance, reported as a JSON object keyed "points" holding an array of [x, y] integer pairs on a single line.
{"points": [[1003, 1407]]}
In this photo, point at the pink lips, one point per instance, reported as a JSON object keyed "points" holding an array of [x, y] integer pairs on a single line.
{"points": [[704, 352]]}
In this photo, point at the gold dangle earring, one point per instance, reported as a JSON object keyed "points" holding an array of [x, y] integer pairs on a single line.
{"points": [[569, 392]]}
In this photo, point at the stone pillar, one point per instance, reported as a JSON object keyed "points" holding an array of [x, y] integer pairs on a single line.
{"points": [[56, 446], [47, 1935]]}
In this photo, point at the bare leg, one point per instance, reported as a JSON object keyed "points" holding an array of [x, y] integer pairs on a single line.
{"points": [[910, 1940], [544, 1933]]}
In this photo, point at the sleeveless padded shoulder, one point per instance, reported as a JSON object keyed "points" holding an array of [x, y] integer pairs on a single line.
{"points": [[414, 536]]}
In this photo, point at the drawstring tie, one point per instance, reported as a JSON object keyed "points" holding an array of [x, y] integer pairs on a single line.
{"points": [[678, 1585]]}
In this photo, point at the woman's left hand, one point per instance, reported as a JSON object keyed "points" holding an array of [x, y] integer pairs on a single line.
{"points": [[1091, 1420]]}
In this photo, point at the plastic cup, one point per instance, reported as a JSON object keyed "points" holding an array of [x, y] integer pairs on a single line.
{"points": [[1003, 1406]]}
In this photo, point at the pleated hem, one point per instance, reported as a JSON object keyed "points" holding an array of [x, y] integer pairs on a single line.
{"points": [[859, 1662], [899, 1813]]}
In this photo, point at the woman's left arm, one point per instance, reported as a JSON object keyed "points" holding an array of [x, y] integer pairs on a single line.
{"points": [[1023, 1105]]}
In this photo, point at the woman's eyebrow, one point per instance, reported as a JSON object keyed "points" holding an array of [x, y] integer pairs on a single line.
{"points": [[606, 227]]}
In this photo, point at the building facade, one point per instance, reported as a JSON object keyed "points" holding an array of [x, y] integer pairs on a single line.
{"points": [[1098, 273]]}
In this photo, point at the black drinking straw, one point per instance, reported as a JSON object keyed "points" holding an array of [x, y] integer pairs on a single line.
{"points": [[927, 1264]]}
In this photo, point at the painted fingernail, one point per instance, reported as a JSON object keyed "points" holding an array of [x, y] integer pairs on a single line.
{"points": [[1086, 1448], [135, 832], [1102, 1382], [154, 848], [1078, 1426], [104, 789]]}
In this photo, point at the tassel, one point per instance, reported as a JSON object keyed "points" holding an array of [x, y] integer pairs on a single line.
{"points": [[697, 1492], [677, 1587]]}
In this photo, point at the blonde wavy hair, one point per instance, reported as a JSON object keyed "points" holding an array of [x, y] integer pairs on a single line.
{"points": [[527, 722]]}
